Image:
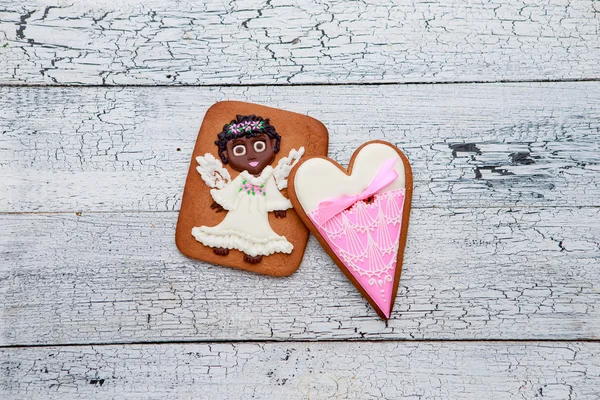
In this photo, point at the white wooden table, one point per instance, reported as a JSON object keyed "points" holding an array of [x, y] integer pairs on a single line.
{"points": [[496, 103]]}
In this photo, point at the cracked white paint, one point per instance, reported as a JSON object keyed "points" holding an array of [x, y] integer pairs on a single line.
{"points": [[358, 370], [110, 149], [281, 42], [503, 241], [469, 274]]}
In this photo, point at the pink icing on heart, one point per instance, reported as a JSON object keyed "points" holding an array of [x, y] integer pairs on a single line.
{"points": [[366, 237]]}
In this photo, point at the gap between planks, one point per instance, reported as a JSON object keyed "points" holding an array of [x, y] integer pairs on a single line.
{"points": [[291, 341], [235, 85]]}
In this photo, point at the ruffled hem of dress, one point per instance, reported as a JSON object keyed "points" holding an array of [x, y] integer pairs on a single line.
{"points": [[241, 242]]}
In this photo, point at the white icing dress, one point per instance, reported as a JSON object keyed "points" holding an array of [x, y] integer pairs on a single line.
{"points": [[248, 201]]}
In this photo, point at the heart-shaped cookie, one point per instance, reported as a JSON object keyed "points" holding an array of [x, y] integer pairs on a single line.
{"points": [[360, 215]]}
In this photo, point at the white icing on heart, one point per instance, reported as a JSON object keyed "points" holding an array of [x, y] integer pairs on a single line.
{"points": [[318, 179], [365, 236]]}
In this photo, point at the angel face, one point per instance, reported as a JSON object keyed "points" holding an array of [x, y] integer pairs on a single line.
{"points": [[251, 154]]}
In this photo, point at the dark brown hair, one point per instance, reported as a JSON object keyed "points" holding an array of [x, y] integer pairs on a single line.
{"points": [[245, 126]]}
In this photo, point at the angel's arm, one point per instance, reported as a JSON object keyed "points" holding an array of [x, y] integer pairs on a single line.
{"points": [[212, 172], [275, 200], [225, 198], [284, 167]]}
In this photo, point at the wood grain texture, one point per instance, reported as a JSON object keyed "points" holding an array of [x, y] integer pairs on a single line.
{"points": [[491, 145], [117, 278], [503, 242], [304, 371], [277, 42]]}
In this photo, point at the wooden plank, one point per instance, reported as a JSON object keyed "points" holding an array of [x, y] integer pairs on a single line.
{"points": [[499, 145], [469, 274], [276, 42], [388, 370]]}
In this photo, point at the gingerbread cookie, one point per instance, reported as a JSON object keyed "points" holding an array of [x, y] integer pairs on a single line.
{"points": [[360, 216], [234, 210]]}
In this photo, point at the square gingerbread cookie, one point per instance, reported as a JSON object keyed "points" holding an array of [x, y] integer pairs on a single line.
{"points": [[235, 209]]}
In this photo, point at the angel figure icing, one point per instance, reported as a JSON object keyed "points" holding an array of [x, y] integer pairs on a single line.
{"points": [[249, 145]]}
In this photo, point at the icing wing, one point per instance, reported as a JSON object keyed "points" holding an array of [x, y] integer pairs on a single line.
{"points": [[212, 172], [284, 167]]}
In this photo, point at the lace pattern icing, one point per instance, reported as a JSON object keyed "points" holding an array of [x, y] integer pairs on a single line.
{"points": [[366, 237]]}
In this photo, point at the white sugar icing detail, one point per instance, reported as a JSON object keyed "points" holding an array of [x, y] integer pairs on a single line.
{"points": [[249, 245], [392, 209], [352, 249], [266, 173], [334, 227], [212, 171], [284, 167], [364, 221], [384, 242], [318, 179], [246, 226], [365, 237], [367, 258], [222, 199]]}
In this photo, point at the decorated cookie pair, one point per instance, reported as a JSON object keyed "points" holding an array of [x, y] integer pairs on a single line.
{"points": [[259, 178]]}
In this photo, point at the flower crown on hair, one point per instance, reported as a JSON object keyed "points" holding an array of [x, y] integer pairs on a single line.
{"points": [[244, 126]]}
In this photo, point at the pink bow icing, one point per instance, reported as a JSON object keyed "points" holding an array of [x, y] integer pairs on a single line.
{"points": [[331, 207]]}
